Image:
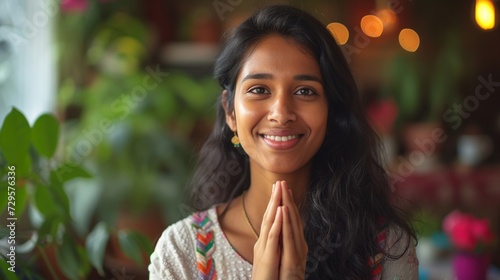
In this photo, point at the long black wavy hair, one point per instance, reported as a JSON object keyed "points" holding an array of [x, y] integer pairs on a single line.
{"points": [[348, 201]]}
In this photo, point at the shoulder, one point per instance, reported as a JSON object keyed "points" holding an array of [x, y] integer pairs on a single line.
{"points": [[184, 231], [396, 242], [179, 231], [400, 258], [178, 235], [174, 255]]}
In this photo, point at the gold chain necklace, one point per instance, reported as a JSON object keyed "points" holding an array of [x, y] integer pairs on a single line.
{"points": [[246, 215]]}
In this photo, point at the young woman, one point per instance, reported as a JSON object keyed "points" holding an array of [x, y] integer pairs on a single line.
{"points": [[289, 183]]}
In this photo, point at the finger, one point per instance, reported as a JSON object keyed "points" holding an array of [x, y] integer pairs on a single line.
{"points": [[273, 239], [274, 202], [287, 233], [296, 221], [266, 213], [288, 247], [293, 212], [292, 205], [269, 215], [292, 257]]}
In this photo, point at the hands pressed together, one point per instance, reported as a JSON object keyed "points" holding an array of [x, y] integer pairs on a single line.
{"points": [[281, 250]]}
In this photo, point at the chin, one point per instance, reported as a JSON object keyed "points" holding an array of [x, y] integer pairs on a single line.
{"points": [[277, 169]]}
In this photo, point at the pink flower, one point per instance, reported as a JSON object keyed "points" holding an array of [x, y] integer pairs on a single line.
{"points": [[451, 221], [74, 5], [467, 232], [462, 237], [481, 230], [78, 6]]}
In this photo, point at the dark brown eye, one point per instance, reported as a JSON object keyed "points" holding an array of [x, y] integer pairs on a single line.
{"points": [[258, 90], [305, 91]]}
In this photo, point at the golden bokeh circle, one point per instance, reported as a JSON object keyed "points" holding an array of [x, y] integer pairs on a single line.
{"points": [[372, 26], [339, 32], [388, 17], [409, 39]]}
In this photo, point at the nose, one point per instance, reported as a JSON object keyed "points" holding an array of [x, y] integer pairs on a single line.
{"points": [[281, 109]]}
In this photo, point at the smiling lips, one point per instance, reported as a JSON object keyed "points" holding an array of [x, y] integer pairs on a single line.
{"points": [[281, 142], [281, 138]]}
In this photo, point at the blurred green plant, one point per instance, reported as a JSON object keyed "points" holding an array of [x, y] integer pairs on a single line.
{"points": [[143, 157], [426, 223], [422, 89], [29, 154], [131, 125], [136, 124]]}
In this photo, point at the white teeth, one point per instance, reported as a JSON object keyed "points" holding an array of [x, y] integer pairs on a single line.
{"points": [[280, 138]]}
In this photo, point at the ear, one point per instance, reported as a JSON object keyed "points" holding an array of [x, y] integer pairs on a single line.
{"points": [[230, 117]]}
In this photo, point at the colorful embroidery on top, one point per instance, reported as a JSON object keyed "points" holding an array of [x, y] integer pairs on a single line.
{"points": [[205, 246], [376, 263]]}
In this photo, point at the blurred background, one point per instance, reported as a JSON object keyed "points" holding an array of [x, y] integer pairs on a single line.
{"points": [[105, 103]]}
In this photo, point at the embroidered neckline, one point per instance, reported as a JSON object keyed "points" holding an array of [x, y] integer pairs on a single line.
{"points": [[376, 262], [205, 246]]}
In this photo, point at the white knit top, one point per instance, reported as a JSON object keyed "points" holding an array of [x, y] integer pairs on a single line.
{"points": [[179, 253]]}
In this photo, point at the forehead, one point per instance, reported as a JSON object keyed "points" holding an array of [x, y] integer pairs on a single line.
{"points": [[280, 56]]}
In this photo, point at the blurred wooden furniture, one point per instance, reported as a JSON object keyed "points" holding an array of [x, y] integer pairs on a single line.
{"points": [[473, 190], [448, 188]]}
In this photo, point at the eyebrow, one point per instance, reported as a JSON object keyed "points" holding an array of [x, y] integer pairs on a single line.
{"points": [[305, 77], [268, 76]]}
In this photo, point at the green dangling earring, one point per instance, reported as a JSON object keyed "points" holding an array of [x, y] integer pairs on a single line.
{"points": [[236, 141]]}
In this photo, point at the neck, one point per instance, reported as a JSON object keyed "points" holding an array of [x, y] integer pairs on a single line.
{"points": [[261, 183]]}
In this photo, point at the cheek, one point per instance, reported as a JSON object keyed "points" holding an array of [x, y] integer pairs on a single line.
{"points": [[318, 123], [247, 116], [321, 130]]}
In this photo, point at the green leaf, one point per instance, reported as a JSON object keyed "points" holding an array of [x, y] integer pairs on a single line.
{"points": [[15, 137], [44, 135], [5, 272], [45, 203], [190, 91], [19, 193], [60, 195], [50, 228], [146, 244], [3, 198], [96, 245], [70, 259], [23, 167], [21, 199], [4, 232], [133, 244], [68, 172]]}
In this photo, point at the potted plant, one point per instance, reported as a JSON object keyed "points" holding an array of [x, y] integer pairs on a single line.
{"points": [[36, 185], [37, 181], [472, 239]]}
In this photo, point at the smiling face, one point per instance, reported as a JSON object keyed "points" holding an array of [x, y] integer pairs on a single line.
{"points": [[280, 107]]}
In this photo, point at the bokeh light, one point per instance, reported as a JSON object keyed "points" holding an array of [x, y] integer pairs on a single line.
{"points": [[388, 18], [339, 32], [409, 39], [485, 14], [372, 26]]}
